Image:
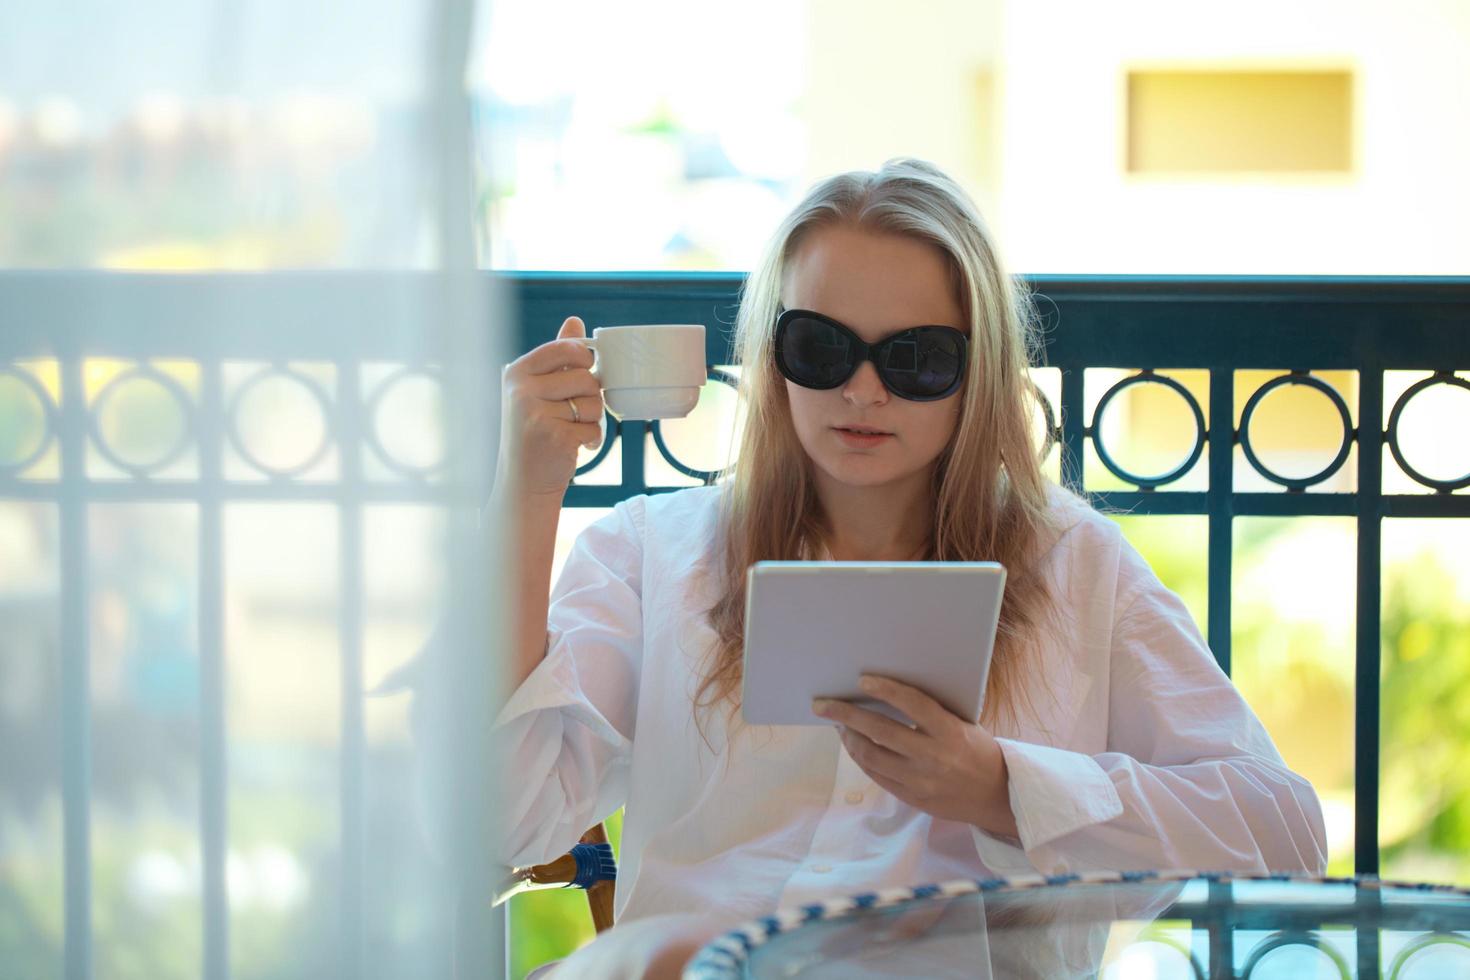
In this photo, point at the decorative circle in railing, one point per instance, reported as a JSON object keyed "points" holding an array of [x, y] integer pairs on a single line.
{"points": [[659, 440], [1147, 376], [1438, 954], [1348, 433], [142, 420], [611, 429], [1293, 953], [280, 421], [1395, 419], [1051, 432], [30, 420], [1157, 954], [405, 422]]}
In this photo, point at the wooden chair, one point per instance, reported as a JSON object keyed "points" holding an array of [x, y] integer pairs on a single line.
{"points": [[589, 864]]}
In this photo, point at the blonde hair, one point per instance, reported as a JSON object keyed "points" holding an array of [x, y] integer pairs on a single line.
{"points": [[989, 492]]}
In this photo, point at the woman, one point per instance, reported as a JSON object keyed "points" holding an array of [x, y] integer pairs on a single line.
{"points": [[1111, 739]]}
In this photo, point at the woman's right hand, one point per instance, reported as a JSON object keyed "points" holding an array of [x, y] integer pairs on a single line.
{"points": [[538, 437]]}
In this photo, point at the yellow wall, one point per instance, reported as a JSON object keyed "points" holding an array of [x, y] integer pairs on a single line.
{"points": [[1223, 121]]}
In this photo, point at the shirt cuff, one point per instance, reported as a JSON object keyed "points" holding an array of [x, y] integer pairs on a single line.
{"points": [[1055, 792], [1002, 855]]}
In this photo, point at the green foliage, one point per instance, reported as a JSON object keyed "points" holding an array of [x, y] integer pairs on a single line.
{"points": [[661, 122], [1424, 828], [1298, 674]]}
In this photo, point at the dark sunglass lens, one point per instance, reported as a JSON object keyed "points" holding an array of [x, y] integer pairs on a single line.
{"points": [[924, 363], [816, 353], [903, 356]]}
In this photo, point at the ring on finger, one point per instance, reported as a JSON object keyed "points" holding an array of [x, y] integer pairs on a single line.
{"points": [[576, 413]]}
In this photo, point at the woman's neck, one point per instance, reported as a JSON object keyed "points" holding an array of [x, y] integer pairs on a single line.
{"points": [[888, 523]]}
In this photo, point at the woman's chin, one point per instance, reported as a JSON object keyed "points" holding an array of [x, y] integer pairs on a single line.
{"points": [[856, 470]]}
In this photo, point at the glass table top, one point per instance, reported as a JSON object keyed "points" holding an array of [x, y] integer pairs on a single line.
{"points": [[1139, 925]]}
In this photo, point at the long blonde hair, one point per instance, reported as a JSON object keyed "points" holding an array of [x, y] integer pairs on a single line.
{"points": [[989, 491]]}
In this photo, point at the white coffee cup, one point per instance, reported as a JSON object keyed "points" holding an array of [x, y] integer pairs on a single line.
{"points": [[649, 371]]}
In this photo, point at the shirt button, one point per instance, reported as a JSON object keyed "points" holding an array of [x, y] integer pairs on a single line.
{"points": [[855, 796], [821, 869]]}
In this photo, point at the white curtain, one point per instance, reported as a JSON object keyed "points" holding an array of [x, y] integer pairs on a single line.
{"points": [[246, 411]]}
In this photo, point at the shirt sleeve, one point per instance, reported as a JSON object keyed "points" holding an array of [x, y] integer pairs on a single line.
{"points": [[1190, 778], [565, 736]]}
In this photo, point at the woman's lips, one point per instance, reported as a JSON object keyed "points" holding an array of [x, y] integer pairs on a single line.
{"points": [[861, 440]]}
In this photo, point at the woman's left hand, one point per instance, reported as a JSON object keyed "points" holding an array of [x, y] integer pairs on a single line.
{"points": [[946, 766]]}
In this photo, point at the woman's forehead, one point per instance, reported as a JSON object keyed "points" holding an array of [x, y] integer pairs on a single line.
{"points": [[872, 281]]}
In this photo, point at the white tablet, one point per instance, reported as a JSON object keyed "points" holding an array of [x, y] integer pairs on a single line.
{"points": [[812, 628]]}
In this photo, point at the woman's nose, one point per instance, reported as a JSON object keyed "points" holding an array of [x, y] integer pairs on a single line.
{"points": [[865, 387]]}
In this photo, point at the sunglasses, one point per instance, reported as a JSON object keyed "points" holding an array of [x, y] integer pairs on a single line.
{"points": [[920, 364]]}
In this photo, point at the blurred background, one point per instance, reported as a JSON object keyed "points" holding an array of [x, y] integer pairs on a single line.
{"points": [[1281, 138]]}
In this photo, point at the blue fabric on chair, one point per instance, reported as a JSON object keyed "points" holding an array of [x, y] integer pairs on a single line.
{"points": [[594, 863]]}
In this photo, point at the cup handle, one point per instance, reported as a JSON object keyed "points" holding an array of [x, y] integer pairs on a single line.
{"points": [[596, 358]]}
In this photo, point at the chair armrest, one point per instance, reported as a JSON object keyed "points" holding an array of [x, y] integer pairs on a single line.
{"points": [[589, 864]]}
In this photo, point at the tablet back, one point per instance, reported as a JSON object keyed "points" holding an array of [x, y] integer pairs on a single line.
{"points": [[812, 628]]}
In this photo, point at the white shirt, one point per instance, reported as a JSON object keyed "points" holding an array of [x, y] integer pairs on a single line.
{"points": [[1141, 755]]}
